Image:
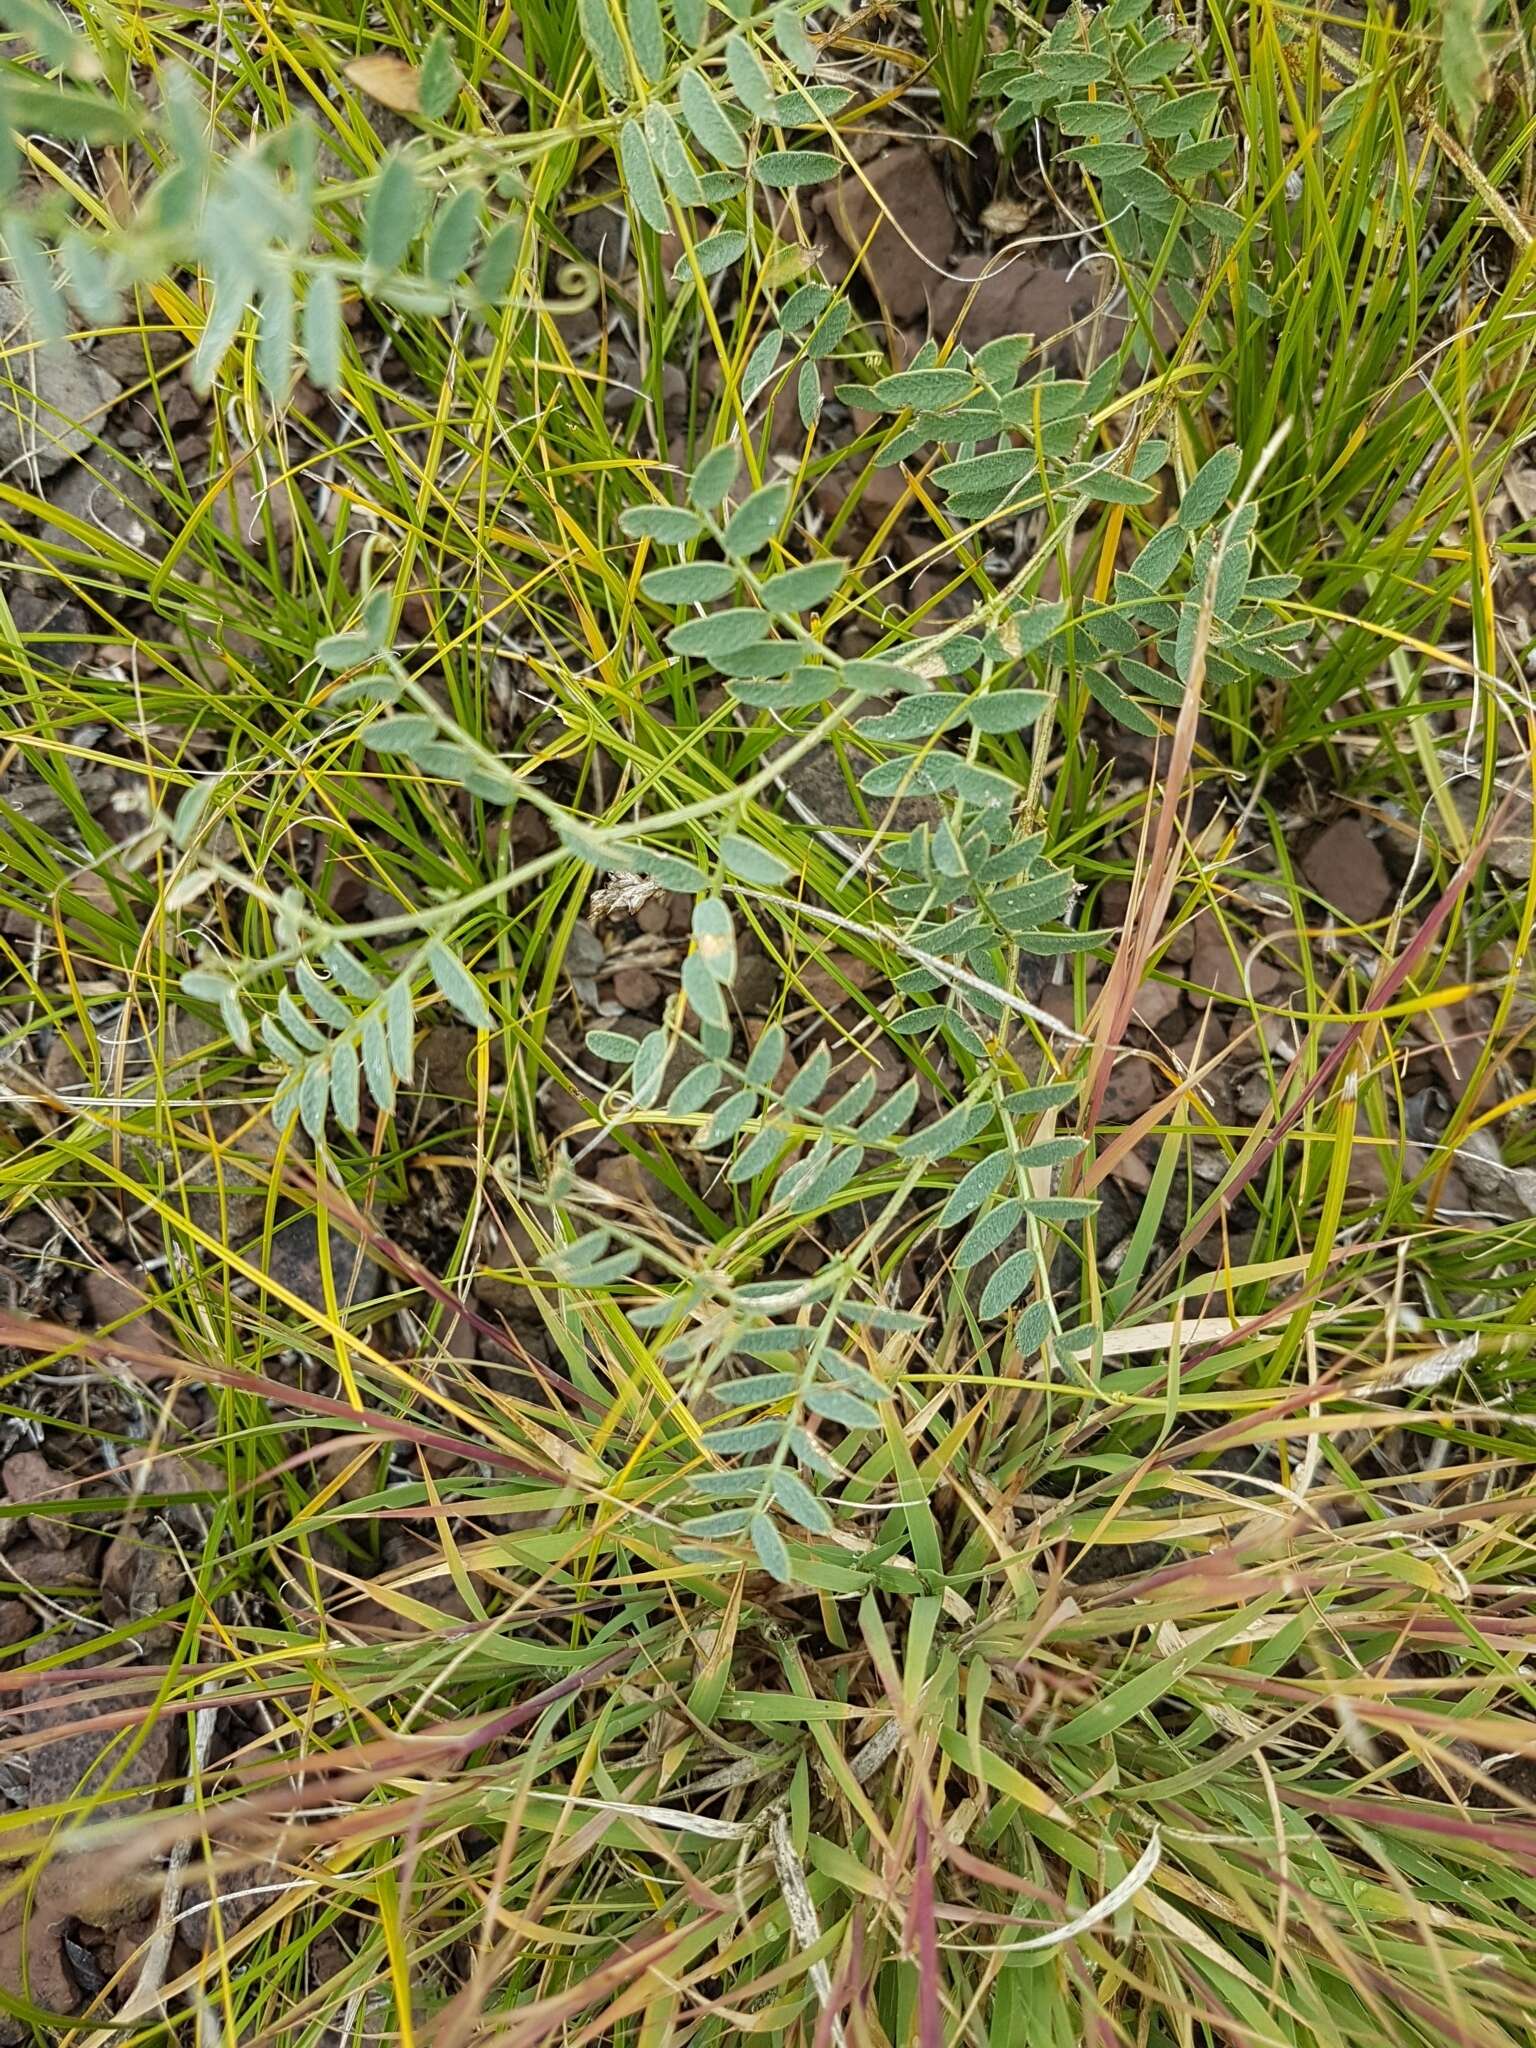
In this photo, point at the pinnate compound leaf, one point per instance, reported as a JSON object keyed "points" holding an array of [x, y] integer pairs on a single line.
{"points": [[640, 178], [769, 1545], [439, 85], [1465, 71], [749, 862], [712, 479], [459, 987], [803, 589], [689, 582], [752, 84], [836, 1404], [392, 214], [1210, 488], [767, 1056], [974, 1188], [346, 1095], [784, 170], [711, 126], [720, 633], [604, 46], [755, 522], [795, 1498], [1010, 1280], [321, 329], [647, 36], [992, 1230], [671, 525]]}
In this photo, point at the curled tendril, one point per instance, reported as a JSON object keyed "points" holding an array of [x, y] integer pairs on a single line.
{"points": [[578, 285]]}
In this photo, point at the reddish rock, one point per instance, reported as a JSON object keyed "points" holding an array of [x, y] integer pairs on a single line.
{"points": [[1155, 1003], [636, 988], [31, 1481], [637, 1188], [986, 297], [116, 1298], [1225, 961], [759, 980], [826, 983], [1130, 1091], [1349, 874], [1371, 1168], [897, 205], [1135, 1169], [445, 1058], [1206, 1037], [1059, 1001]]}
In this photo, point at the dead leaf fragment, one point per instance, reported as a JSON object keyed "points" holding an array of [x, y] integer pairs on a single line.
{"points": [[389, 80]]}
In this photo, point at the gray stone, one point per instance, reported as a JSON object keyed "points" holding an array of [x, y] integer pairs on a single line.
{"points": [[53, 627], [295, 1266], [822, 787], [106, 493], [51, 398]]}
